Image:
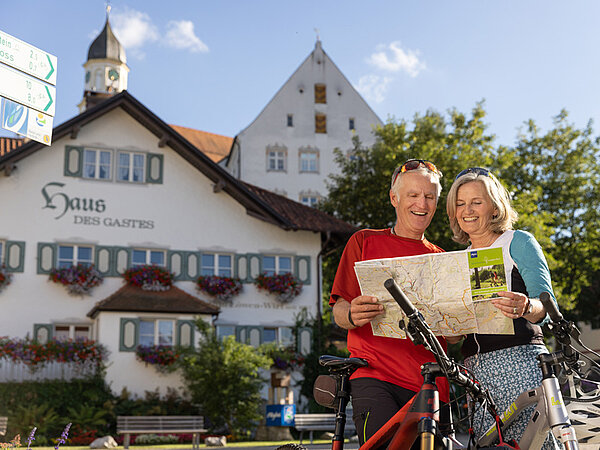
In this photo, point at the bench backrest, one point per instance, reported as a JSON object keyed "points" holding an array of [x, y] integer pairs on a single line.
{"points": [[319, 422], [160, 423], [3, 425]]}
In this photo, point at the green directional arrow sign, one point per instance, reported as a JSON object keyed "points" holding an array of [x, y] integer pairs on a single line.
{"points": [[26, 90], [27, 58]]}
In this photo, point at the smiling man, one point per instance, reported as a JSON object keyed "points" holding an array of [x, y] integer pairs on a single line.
{"points": [[394, 372]]}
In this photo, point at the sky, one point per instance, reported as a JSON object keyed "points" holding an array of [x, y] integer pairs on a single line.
{"points": [[214, 64]]}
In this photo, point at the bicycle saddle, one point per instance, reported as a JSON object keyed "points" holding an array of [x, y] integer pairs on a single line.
{"points": [[338, 363]]}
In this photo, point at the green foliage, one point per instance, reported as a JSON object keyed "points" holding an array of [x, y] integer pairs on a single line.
{"points": [[554, 179], [223, 376], [43, 416]]}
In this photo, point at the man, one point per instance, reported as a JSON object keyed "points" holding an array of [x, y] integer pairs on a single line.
{"points": [[393, 375]]}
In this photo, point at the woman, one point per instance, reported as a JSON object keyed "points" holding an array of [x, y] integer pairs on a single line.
{"points": [[480, 212]]}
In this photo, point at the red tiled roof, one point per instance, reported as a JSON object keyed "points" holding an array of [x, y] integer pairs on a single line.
{"points": [[7, 144], [300, 216], [135, 299], [215, 146]]}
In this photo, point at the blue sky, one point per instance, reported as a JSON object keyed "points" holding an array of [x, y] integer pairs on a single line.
{"points": [[214, 64]]}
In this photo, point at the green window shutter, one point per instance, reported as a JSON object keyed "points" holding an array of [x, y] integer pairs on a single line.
{"points": [[185, 333], [42, 332], [240, 268], [304, 340], [73, 161], [154, 168], [121, 260], [129, 334], [251, 335], [103, 260], [14, 258], [254, 265], [191, 264], [46, 257], [302, 269], [177, 263]]}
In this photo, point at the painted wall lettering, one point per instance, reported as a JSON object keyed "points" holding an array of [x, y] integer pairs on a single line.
{"points": [[63, 203]]}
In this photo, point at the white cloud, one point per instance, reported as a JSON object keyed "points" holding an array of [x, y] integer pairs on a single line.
{"points": [[134, 29], [180, 35], [397, 60], [373, 87]]}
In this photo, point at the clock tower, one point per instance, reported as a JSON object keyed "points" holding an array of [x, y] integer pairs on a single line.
{"points": [[106, 68]]}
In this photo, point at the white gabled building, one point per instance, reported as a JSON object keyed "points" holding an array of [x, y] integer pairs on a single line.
{"points": [[119, 187], [289, 147]]}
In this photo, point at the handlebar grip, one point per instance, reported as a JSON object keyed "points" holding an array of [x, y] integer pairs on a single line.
{"points": [[550, 307], [402, 300]]}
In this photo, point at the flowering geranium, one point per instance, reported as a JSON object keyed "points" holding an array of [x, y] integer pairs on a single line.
{"points": [[284, 358], [222, 288], [149, 277], [163, 357], [78, 280], [32, 353], [5, 277], [285, 285]]}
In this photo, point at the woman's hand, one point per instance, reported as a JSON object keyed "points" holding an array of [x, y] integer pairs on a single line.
{"points": [[512, 304]]}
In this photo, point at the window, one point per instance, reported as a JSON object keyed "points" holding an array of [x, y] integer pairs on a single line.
{"points": [[157, 332], [320, 123], [257, 335], [225, 330], [1, 252], [71, 255], [276, 159], [309, 200], [277, 264], [351, 124], [290, 120], [309, 161], [216, 264], [320, 93], [131, 167], [73, 332], [141, 257], [97, 164]]}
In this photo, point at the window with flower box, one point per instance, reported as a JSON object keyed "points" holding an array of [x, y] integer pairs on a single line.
{"points": [[144, 331], [97, 164], [73, 332], [71, 255], [141, 257], [272, 265], [220, 264]]}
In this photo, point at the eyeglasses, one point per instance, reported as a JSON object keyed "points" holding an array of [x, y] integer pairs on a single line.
{"points": [[477, 171], [413, 164]]}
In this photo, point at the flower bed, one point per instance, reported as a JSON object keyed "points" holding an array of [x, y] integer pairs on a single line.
{"points": [[34, 354], [149, 277], [162, 357], [5, 277], [222, 288], [284, 286], [78, 280]]}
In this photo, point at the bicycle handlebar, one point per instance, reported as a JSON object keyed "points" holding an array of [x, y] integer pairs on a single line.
{"points": [[550, 307], [426, 337]]}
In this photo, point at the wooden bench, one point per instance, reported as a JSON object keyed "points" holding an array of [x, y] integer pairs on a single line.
{"points": [[320, 422], [3, 425], [128, 425]]}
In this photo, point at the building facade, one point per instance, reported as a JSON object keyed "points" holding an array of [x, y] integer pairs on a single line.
{"points": [[289, 147], [119, 188]]}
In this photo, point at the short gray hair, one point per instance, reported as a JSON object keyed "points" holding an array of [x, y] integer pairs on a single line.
{"points": [[497, 193], [434, 177]]}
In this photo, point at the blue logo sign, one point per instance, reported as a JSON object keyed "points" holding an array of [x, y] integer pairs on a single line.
{"points": [[474, 254], [14, 117]]}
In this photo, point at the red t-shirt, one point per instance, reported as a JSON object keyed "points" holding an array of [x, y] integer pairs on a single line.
{"points": [[396, 361]]}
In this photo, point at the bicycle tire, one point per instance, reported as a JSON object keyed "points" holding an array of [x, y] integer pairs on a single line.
{"points": [[292, 447]]}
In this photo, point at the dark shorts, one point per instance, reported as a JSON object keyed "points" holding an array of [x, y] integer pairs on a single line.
{"points": [[374, 402]]}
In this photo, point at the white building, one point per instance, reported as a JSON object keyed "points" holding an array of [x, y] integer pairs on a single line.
{"points": [[288, 148], [119, 187]]}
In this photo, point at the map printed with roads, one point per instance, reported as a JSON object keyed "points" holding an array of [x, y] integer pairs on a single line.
{"points": [[452, 290]]}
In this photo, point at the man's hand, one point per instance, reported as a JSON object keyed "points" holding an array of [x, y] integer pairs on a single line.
{"points": [[363, 309]]}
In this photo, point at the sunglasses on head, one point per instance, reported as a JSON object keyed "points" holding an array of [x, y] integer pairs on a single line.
{"points": [[475, 170], [413, 164]]}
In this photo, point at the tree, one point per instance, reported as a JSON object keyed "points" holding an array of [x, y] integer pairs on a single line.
{"points": [[223, 376], [554, 179]]}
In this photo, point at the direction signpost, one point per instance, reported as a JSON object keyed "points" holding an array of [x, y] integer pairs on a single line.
{"points": [[31, 86]]}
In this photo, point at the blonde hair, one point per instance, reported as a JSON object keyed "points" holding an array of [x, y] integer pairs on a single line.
{"points": [[502, 221]]}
